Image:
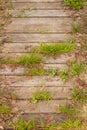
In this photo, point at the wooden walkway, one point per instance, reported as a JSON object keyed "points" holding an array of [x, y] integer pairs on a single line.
{"points": [[34, 22]]}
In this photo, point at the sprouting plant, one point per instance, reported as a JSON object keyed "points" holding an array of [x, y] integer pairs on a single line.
{"points": [[77, 69], [66, 110], [77, 4], [70, 124], [4, 109], [64, 75], [36, 72], [78, 94], [53, 72], [23, 125], [40, 96], [30, 60], [53, 49], [7, 16], [76, 28]]}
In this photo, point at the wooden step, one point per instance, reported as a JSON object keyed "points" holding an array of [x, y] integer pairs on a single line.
{"points": [[36, 81], [41, 13], [36, 1], [40, 25], [25, 93], [38, 37], [46, 118], [60, 59], [41, 107], [20, 70], [38, 5]]}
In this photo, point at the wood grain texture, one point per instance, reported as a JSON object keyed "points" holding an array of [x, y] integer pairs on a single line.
{"points": [[35, 81], [40, 25]]}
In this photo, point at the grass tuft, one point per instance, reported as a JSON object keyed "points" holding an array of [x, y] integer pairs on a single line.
{"points": [[78, 68], [36, 72], [41, 96], [76, 4], [4, 109], [23, 125], [53, 49], [64, 75], [78, 94], [76, 28], [30, 60], [66, 110], [70, 124]]}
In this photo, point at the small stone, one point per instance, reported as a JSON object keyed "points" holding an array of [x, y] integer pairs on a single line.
{"points": [[1, 128]]}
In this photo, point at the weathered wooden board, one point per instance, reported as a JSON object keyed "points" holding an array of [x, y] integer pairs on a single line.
{"points": [[20, 70], [64, 58], [56, 93], [41, 13], [20, 47], [36, 81], [38, 5], [36, 0], [49, 106], [23, 37], [47, 118], [40, 25]]}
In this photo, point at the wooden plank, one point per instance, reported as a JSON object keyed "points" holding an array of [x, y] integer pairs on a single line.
{"points": [[38, 5], [40, 25], [41, 107], [36, 81], [41, 13], [47, 118], [38, 37], [36, 0], [56, 93], [63, 58], [20, 70]]}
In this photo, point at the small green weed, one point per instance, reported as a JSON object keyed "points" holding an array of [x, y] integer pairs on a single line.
{"points": [[30, 60], [70, 124], [78, 94], [64, 75], [76, 28], [7, 16], [53, 49], [22, 125], [77, 4], [53, 72], [40, 96], [66, 110], [77, 69], [36, 71], [4, 109], [30, 9], [7, 61]]}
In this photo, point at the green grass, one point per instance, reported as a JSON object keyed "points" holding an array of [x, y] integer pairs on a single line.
{"points": [[64, 76], [24, 60], [7, 61], [70, 124], [53, 72], [4, 109], [78, 94], [76, 4], [41, 96], [30, 60], [76, 28], [53, 49], [23, 125], [7, 16], [36, 72], [66, 110], [78, 68]]}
